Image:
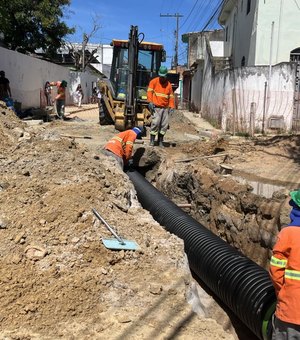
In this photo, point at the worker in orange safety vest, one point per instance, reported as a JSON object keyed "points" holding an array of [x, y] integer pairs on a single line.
{"points": [[120, 147], [161, 100], [285, 274]]}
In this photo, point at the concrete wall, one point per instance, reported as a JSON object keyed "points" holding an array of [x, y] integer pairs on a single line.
{"points": [[27, 76], [285, 14], [196, 89], [217, 48], [196, 44], [228, 95]]}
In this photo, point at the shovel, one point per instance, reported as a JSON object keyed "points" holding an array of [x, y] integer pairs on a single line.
{"points": [[117, 242]]}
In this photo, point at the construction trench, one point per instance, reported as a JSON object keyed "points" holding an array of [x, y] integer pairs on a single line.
{"points": [[58, 278], [235, 271], [240, 283]]}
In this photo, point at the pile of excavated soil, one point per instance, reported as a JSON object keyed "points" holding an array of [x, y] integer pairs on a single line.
{"points": [[57, 279], [10, 128]]}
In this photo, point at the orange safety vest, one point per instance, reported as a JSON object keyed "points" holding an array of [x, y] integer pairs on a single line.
{"points": [[122, 144], [161, 95], [285, 274]]}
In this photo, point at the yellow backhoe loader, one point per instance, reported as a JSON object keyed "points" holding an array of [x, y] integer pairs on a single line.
{"points": [[124, 96]]}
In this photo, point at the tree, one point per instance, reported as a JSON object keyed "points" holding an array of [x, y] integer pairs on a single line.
{"points": [[28, 25], [78, 53]]}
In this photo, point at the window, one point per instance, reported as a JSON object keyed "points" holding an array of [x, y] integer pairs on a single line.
{"points": [[226, 34], [248, 6], [295, 55]]}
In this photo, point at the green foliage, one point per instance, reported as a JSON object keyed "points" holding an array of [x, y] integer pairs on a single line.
{"points": [[31, 24]]}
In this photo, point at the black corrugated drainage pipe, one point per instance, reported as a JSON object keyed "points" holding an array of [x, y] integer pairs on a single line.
{"points": [[239, 282]]}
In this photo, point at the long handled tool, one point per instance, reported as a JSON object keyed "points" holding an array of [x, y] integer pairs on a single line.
{"points": [[117, 242]]}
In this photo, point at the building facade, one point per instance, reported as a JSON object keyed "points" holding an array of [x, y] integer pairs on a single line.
{"points": [[260, 32], [199, 45]]}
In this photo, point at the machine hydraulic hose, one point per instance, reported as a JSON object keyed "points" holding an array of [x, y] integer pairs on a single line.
{"points": [[239, 282]]}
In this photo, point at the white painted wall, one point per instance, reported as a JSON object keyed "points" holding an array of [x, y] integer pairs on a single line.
{"points": [[217, 48], [286, 15], [227, 96], [249, 34], [228, 27], [104, 55], [27, 76], [241, 33], [245, 33]]}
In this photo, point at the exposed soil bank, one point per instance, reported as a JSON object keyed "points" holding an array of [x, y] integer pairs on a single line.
{"points": [[230, 209]]}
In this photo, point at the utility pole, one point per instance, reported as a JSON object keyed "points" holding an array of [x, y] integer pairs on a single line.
{"points": [[177, 16]]}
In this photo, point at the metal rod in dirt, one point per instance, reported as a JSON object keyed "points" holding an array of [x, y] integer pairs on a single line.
{"points": [[108, 226]]}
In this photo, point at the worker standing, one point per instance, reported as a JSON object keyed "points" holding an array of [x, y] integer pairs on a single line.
{"points": [[120, 146], [5, 91], [161, 100], [60, 97], [285, 274]]}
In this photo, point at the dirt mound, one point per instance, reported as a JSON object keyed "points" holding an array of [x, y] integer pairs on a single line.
{"points": [[11, 128], [56, 277]]}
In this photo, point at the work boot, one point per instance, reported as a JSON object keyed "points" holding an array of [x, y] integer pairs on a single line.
{"points": [[152, 139], [160, 140]]}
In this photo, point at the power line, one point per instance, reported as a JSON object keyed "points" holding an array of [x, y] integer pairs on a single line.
{"points": [[219, 6], [216, 10], [177, 16], [199, 15], [191, 11]]}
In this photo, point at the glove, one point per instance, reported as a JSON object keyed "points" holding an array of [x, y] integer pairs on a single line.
{"points": [[130, 163], [151, 107]]}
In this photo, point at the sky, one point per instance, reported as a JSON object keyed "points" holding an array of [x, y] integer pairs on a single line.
{"points": [[115, 18]]}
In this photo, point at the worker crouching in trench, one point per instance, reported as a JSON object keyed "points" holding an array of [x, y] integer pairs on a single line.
{"points": [[120, 147]]}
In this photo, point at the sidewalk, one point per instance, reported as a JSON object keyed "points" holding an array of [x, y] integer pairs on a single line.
{"points": [[85, 112], [203, 127]]}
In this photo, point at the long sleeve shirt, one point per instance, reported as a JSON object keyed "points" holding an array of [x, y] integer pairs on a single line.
{"points": [[285, 274], [160, 94]]}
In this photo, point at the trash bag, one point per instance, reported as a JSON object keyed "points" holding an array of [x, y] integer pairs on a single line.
{"points": [[9, 102]]}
